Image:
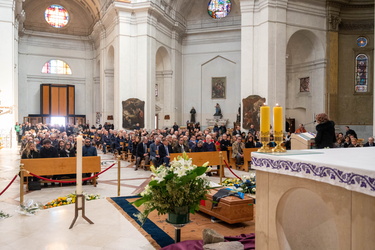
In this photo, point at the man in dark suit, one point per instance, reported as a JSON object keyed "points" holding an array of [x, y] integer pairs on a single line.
{"points": [[164, 151], [142, 153], [350, 131], [370, 142], [181, 146], [154, 152], [198, 147], [237, 131]]}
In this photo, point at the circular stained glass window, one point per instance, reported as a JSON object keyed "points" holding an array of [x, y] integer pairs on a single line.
{"points": [[219, 8], [56, 16], [361, 41]]}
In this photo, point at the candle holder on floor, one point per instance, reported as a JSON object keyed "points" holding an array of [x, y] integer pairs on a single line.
{"points": [[278, 140], [80, 197], [265, 139]]}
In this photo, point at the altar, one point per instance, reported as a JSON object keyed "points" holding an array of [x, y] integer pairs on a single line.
{"points": [[315, 199]]}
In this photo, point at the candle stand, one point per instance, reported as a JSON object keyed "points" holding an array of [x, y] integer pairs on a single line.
{"points": [[265, 139], [80, 197], [278, 141]]}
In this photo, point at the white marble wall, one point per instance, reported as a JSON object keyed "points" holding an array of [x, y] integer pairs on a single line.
{"points": [[37, 48]]}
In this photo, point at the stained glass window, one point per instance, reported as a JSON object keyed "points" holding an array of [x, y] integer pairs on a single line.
{"points": [[219, 8], [361, 73], [361, 41], [57, 16], [56, 67]]}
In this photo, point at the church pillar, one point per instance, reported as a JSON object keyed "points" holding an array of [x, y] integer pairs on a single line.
{"points": [[102, 76], [136, 63], [168, 98], [332, 63], [373, 92], [277, 55], [247, 49], [263, 61], [8, 64]]}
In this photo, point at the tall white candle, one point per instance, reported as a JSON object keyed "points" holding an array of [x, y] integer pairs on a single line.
{"points": [[79, 165]]}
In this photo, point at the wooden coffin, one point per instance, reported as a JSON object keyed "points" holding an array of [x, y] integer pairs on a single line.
{"points": [[230, 209]]}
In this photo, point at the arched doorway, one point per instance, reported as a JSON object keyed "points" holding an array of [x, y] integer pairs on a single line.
{"points": [[305, 69], [164, 99]]}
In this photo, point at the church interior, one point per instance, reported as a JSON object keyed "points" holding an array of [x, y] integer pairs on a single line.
{"points": [[150, 63]]}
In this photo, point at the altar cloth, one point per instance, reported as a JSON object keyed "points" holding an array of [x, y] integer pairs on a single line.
{"points": [[350, 168]]}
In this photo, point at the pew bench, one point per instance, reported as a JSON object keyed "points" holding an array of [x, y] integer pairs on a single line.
{"points": [[213, 157], [60, 166]]}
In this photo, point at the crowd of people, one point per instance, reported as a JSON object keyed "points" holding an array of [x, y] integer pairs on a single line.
{"points": [[156, 145]]}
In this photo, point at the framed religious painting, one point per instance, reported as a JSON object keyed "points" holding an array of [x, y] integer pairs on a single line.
{"points": [[304, 84], [219, 86]]}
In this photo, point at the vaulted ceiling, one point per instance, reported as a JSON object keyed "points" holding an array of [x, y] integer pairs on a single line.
{"points": [[82, 13]]}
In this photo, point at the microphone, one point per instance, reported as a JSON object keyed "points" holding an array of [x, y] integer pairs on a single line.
{"points": [[310, 122]]}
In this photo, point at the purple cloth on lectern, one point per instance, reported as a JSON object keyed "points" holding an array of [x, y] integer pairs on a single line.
{"points": [[248, 241]]}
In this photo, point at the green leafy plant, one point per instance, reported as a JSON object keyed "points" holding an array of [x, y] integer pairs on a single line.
{"points": [[183, 184], [4, 215]]}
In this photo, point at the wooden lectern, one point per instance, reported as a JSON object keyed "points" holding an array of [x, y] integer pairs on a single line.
{"points": [[302, 141]]}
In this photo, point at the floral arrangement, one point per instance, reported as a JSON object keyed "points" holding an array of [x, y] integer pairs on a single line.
{"points": [[171, 188], [29, 207], [69, 199], [245, 185], [4, 215]]}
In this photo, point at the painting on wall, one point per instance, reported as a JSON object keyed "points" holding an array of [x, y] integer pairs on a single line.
{"points": [[133, 113], [304, 84], [251, 108], [218, 87]]}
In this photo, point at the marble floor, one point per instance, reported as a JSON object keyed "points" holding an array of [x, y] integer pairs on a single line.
{"points": [[49, 229]]}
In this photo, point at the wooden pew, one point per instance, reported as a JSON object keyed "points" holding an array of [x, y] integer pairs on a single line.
{"points": [[213, 157], [247, 158], [60, 166]]}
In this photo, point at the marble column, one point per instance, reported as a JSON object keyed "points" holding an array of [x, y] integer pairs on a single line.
{"points": [[8, 64], [247, 49]]}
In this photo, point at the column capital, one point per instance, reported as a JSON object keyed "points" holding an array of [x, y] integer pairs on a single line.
{"points": [[333, 22]]}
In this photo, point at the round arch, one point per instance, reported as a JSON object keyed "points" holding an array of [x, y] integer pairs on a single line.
{"points": [[305, 74]]}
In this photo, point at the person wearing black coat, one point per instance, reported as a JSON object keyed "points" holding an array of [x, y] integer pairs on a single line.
{"points": [[325, 136], [142, 153], [88, 149], [68, 150], [47, 151], [30, 151], [198, 147]]}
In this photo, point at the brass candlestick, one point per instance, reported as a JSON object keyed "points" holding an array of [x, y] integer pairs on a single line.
{"points": [[278, 140], [265, 139]]}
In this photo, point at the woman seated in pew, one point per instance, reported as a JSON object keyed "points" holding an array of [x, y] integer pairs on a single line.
{"points": [[68, 150], [60, 147], [250, 143], [30, 151]]}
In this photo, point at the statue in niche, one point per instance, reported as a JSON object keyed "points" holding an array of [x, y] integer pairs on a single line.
{"points": [[133, 113], [251, 111], [192, 114], [218, 111], [239, 114]]}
